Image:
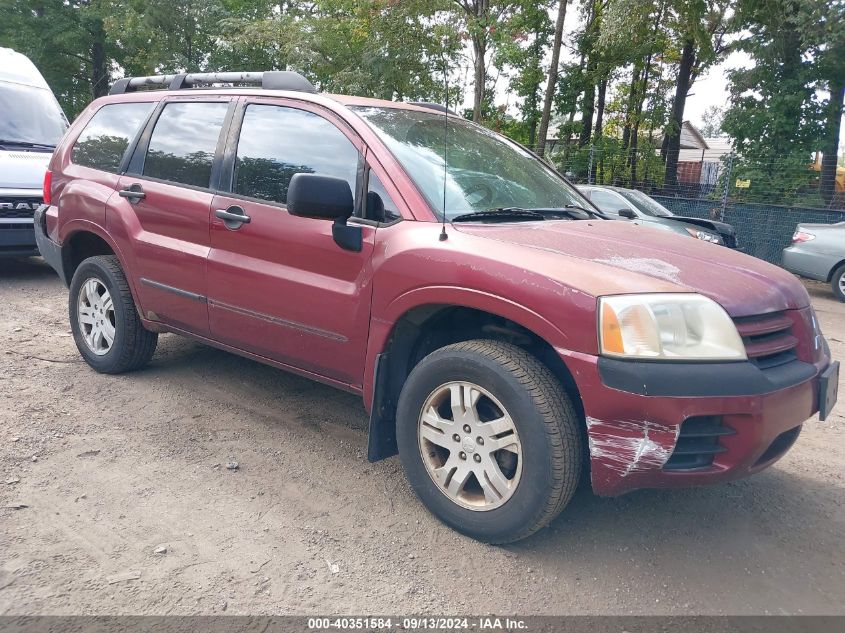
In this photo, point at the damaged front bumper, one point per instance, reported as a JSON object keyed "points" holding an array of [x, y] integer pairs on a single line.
{"points": [[664, 425]]}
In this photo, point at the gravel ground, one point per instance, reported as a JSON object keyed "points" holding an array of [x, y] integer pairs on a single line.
{"points": [[131, 508]]}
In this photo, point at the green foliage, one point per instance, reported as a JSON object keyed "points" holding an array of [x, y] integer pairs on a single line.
{"points": [[776, 119], [610, 162], [779, 113], [784, 180], [59, 37], [522, 42], [380, 48]]}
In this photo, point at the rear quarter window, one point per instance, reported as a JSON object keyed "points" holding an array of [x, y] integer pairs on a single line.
{"points": [[105, 139]]}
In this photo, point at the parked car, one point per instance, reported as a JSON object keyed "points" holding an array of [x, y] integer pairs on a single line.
{"points": [[635, 205], [30, 126], [499, 329], [818, 252]]}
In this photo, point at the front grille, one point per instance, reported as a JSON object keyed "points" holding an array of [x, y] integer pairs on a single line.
{"points": [[698, 443], [768, 339], [18, 208]]}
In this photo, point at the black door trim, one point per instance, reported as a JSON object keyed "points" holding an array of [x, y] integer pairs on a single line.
{"points": [[177, 291]]}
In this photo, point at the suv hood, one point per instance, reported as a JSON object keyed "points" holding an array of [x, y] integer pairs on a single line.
{"points": [[617, 257], [23, 169]]}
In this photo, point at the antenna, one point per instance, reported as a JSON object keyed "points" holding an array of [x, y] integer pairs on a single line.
{"points": [[443, 235]]}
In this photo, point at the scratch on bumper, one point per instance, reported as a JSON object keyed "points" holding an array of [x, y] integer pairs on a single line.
{"points": [[626, 447]]}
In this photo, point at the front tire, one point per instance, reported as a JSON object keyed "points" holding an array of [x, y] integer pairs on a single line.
{"points": [[489, 440], [837, 283], [105, 324]]}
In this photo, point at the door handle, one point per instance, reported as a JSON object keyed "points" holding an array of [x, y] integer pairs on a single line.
{"points": [[134, 193], [233, 217]]}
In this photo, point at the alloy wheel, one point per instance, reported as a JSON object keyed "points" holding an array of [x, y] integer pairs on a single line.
{"points": [[95, 313], [470, 446]]}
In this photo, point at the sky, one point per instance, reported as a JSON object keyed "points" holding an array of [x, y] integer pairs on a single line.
{"points": [[712, 89], [708, 90]]}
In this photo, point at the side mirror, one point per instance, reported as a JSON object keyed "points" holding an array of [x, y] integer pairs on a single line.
{"points": [[315, 196], [627, 213], [327, 198]]}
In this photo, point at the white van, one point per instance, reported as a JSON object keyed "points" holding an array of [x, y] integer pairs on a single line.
{"points": [[31, 124]]}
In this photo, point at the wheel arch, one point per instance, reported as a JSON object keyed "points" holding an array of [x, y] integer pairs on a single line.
{"points": [[833, 270], [82, 244], [423, 328], [87, 240]]}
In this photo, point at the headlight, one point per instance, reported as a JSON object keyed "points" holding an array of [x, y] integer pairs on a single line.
{"points": [[682, 326], [704, 235]]}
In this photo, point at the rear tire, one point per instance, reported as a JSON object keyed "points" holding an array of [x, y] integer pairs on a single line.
{"points": [[837, 283], [103, 318], [489, 440]]}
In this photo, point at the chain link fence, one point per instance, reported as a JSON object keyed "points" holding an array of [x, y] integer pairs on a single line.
{"points": [[764, 199]]}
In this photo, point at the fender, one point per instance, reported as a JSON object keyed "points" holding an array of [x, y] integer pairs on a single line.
{"points": [[72, 227], [382, 325], [381, 441]]}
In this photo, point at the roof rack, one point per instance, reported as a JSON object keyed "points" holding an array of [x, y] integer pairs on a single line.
{"points": [[269, 80]]}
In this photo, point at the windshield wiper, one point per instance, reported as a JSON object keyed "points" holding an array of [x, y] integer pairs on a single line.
{"points": [[571, 211], [590, 212], [508, 213], [4, 141]]}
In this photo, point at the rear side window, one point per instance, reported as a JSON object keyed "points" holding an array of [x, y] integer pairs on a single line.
{"points": [[278, 142], [183, 142], [107, 135]]}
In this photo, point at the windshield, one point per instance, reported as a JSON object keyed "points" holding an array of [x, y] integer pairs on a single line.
{"points": [[485, 170], [29, 115], [647, 205]]}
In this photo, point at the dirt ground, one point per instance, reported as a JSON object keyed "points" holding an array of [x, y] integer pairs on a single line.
{"points": [[113, 469]]}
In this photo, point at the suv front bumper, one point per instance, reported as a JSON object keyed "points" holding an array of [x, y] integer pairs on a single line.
{"points": [[689, 424], [17, 239]]}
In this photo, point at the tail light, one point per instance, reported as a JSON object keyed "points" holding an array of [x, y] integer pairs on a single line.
{"points": [[801, 236], [48, 183]]}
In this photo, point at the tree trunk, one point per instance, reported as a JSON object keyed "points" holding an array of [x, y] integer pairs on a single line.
{"points": [[831, 146], [99, 70], [552, 82], [632, 96], [602, 98], [638, 111], [479, 47], [676, 119], [632, 158], [477, 13], [588, 106], [532, 100]]}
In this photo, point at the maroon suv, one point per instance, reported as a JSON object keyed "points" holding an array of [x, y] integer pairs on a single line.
{"points": [[504, 335]]}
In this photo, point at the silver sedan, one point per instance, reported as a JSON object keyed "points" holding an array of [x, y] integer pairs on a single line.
{"points": [[818, 252]]}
